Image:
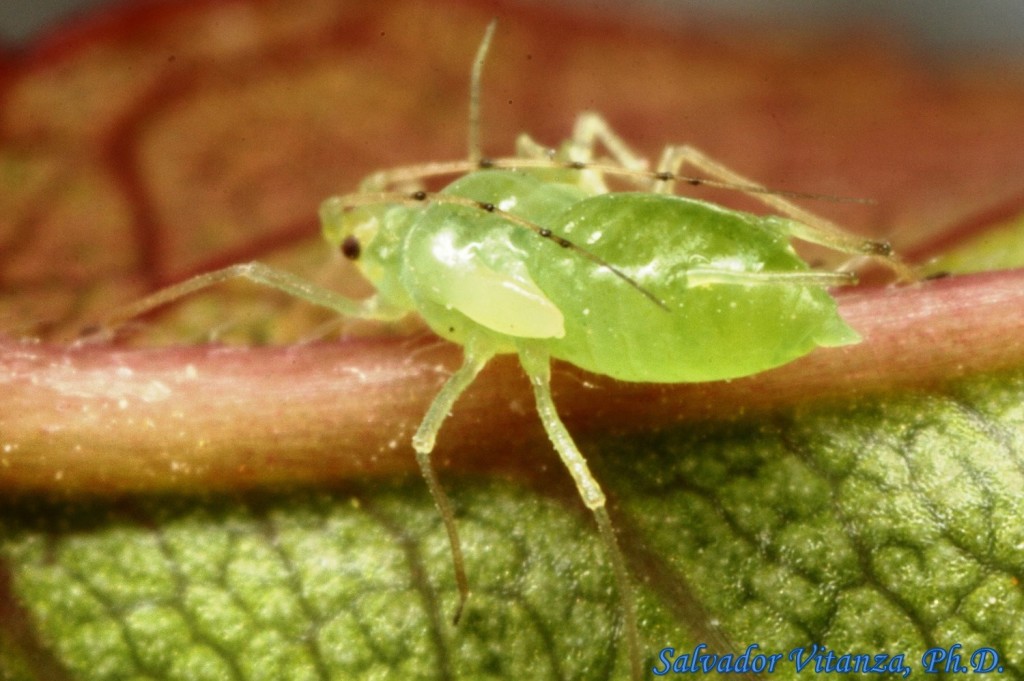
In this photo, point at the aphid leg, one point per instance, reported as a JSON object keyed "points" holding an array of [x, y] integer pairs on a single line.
{"points": [[592, 129], [700, 276], [537, 364], [589, 131], [293, 285], [477, 354], [805, 225], [527, 147]]}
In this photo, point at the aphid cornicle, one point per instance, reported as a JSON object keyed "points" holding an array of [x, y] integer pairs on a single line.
{"points": [[534, 255]]}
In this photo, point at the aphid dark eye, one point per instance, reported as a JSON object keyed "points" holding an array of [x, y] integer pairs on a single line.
{"points": [[350, 247]]}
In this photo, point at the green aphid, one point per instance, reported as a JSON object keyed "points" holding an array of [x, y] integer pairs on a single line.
{"points": [[534, 255]]}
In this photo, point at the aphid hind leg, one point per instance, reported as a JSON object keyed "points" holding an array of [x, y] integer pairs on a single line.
{"points": [[537, 365], [477, 354], [805, 225], [264, 275]]}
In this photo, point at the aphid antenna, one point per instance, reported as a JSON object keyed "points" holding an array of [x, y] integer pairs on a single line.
{"points": [[474, 92], [382, 181], [420, 197], [403, 174]]}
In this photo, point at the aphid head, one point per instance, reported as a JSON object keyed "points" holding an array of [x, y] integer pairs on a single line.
{"points": [[351, 230], [370, 236], [357, 233]]}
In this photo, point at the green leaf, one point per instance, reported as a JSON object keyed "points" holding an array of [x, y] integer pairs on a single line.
{"points": [[891, 526], [335, 586], [998, 247]]}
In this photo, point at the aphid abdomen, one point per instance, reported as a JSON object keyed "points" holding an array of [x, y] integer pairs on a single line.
{"points": [[709, 332]]}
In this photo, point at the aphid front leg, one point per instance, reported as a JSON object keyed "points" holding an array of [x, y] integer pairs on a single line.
{"points": [[370, 308], [537, 364], [805, 225], [476, 355]]}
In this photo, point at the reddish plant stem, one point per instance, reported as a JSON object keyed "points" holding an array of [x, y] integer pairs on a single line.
{"points": [[99, 419]]}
